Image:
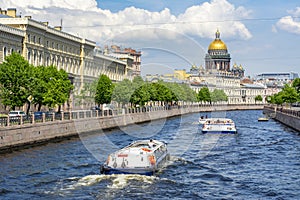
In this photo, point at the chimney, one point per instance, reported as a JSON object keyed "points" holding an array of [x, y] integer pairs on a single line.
{"points": [[57, 28], [46, 23], [12, 12]]}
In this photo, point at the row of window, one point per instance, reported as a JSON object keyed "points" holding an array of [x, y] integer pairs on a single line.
{"points": [[53, 45], [7, 51]]}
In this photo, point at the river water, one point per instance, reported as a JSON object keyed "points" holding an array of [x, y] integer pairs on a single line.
{"points": [[262, 161]]}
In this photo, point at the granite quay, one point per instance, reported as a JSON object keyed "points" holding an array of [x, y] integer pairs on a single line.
{"points": [[287, 116], [27, 132]]}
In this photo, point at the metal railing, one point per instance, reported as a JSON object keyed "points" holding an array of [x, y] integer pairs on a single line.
{"points": [[288, 111], [83, 114]]}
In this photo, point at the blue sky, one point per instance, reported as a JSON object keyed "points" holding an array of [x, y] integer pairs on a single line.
{"points": [[262, 36]]}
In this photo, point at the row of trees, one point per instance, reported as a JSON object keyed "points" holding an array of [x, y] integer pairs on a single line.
{"points": [[22, 83], [289, 94], [216, 95], [139, 92]]}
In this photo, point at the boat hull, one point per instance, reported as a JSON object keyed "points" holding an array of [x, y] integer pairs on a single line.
{"points": [[219, 132], [263, 119], [109, 171]]}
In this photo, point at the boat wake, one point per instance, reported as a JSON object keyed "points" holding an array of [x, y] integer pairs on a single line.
{"points": [[118, 181]]}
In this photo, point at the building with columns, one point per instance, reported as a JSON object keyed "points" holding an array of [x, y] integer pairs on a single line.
{"points": [[41, 44], [217, 57], [218, 74], [10, 40]]}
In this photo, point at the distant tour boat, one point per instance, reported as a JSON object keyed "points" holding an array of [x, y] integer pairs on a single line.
{"points": [[202, 120], [143, 157], [263, 119], [219, 126]]}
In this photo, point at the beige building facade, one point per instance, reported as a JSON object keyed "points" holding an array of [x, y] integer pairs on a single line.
{"points": [[41, 44]]}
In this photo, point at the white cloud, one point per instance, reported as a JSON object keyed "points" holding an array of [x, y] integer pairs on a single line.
{"points": [[289, 23], [84, 18], [31, 5]]}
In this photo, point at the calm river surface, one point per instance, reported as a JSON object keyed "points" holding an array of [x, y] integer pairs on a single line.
{"points": [[262, 161]]}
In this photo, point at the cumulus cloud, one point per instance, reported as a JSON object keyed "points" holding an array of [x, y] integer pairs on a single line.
{"points": [[290, 23], [84, 18]]}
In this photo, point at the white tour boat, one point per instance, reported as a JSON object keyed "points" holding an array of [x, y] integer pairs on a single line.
{"points": [[263, 119], [143, 157], [202, 120], [219, 126]]}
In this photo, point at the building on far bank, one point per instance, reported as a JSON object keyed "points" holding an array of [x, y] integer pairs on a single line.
{"points": [[276, 80], [128, 55], [218, 74]]}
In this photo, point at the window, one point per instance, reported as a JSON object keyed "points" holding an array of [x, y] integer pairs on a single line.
{"points": [[4, 52], [29, 56]]}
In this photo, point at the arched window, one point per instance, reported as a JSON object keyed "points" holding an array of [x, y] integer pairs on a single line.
{"points": [[4, 52], [29, 56], [40, 59], [34, 58]]}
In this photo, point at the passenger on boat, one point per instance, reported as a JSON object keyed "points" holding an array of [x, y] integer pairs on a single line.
{"points": [[151, 143]]}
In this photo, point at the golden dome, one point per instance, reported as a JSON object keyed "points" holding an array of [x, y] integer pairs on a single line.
{"points": [[217, 44]]}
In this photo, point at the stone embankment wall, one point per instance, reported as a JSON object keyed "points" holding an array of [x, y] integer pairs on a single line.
{"points": [[30, 134], [289, 117]]}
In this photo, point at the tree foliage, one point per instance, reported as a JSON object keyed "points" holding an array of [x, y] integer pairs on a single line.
{"points": [[218, 95], [289, 94], [141, 95], [296, 84], [204, 95], [15, 80], [19, 80], [59, 87], [258, 98], [104, 90], [123, 91], [87, 93]]}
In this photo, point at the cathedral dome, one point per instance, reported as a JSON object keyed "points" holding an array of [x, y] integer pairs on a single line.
{"points": [[217, 44]]}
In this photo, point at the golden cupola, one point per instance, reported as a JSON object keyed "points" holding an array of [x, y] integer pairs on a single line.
{"points": [[217, 44]]}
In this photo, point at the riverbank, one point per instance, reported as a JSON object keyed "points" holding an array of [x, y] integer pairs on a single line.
{"points": [[24, 135], [287, 116]]}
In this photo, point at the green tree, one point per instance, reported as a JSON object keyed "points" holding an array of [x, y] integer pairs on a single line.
{"points": [[137, 82], [204, 95], [15, 80], [160, 92], [104, 90], [59, 87], [278, 98], [189, 95], [87, 93], [289, 94], [258, 98], [123, 91], [296, 84], [141, 95], [218, 95]]}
